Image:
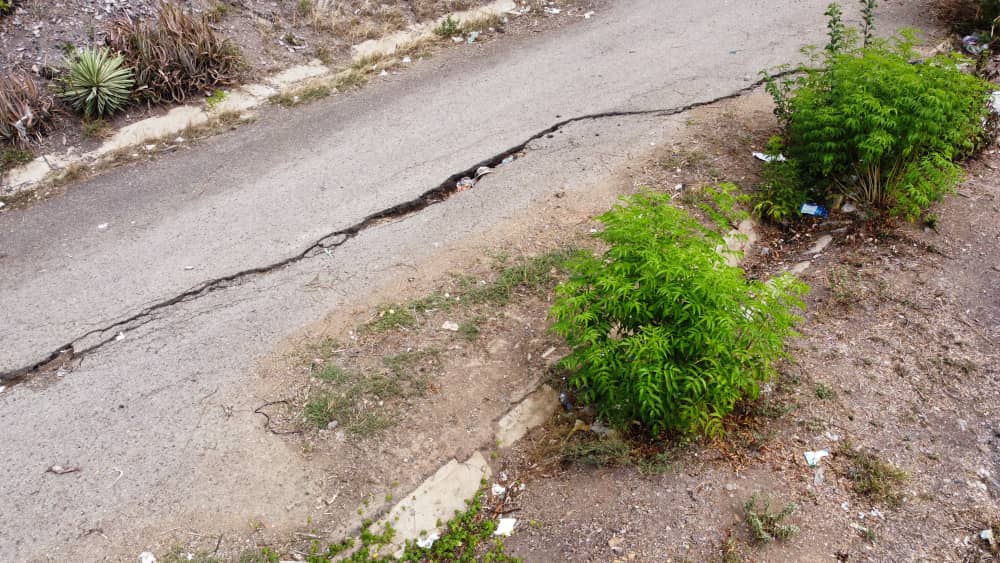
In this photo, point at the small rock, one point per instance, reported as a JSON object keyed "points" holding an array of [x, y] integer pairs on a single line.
{"points": [[731, 487], [848, 208], [102, 226], [821, 244], [616, 543], [332, 425], [407, 60], [147, 557], [450, 325]]}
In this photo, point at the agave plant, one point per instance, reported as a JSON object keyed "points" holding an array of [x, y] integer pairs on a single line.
{"points": [[97, 84]]}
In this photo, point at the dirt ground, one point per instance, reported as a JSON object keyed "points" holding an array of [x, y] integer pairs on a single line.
{"points": [[896, 364], [272, 36]]}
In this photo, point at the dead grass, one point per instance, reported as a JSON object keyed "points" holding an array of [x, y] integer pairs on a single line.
{"points": [[873, 477]]}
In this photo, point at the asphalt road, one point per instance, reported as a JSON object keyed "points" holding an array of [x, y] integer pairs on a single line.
{"points": [[140, 414]]}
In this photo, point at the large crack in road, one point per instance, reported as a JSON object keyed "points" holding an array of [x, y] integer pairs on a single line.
{"points": [[76, 349]]}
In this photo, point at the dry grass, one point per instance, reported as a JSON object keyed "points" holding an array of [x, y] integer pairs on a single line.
{"points": [[26, 111]]}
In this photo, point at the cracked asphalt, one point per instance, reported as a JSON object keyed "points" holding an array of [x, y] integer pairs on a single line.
{"points": [[230, 226]]}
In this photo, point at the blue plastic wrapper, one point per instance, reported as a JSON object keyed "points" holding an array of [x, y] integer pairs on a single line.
{"points": [[814, 210]]}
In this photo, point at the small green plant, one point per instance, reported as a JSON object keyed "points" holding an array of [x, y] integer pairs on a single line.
{"points": [[873, 477], [9, 158], [531, 274], [871, 125], [303, 95], [825, 393], [333, 373], [662, 330], [215, 98], [779, 195], [448, 27], [391, 317], [767, 526], [7, 6], [94, 128], [469, 329], [98, 82]]}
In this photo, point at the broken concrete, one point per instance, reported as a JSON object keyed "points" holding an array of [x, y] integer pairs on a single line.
{"points": [[174, 122], [437, 499], [529, 413]]}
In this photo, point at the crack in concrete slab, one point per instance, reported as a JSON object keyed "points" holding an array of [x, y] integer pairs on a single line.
{"points": [[79, 347]]}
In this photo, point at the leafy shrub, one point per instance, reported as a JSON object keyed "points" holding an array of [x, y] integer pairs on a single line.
{"points": [[7, 6], [662, 330], [25, 110], [448, 27], [876, 127], [178, 56], [779, 193], [97, 83]]}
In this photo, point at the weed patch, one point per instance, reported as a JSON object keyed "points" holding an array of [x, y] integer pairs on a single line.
{"points": [[873, 477], [765, 525], [303, 95], [10, 158]]}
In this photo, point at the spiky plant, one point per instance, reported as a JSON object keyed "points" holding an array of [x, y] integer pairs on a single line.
{"points": [[177, 55], [98, 83], [25, 110]]}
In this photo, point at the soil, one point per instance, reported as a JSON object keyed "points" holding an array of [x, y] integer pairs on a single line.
{"points": [[273, 35], [897, 359]]}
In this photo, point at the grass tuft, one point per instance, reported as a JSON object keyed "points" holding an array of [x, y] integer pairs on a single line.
{"points": [[767, 526]]}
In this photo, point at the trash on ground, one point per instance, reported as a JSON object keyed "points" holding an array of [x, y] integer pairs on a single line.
{"points": [[2, 205], [458, 39], [119, 337], [465, 184], [102, 226], [384, 73], [813, 458], [553, 11], [846, 506], [848, 208], [548, 352], [62, 470], [814, 210], [188, 268], [472, 37], [975, 44], [427, 541], [450, 325], [989, 537], [2, 388], [507, 160], [407, 60], [995, 101], [147, 557], [819, 477], [588, 15], [564, 401], [505, 526], [601, 430], [482, 171], [499, 490], [768, 158]]}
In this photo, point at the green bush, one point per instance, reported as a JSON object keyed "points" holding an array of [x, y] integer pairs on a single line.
{"points": [[662, 330], [97, 83], [874, 126]]}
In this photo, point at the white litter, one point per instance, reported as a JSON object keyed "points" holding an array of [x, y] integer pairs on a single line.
{"points": [[384, 73], [102, 226], [450, 325], [499, 490], [147, 557], [427, 541], [505, 527], [120, 337], [813, 458], [995, 102], [407, 60], [769, 158], [2, 387], [588, 15], [552, 11]]}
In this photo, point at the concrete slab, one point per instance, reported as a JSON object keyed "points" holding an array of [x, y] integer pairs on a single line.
{"points": [[533, 411], [437, 499], [174, 122]]}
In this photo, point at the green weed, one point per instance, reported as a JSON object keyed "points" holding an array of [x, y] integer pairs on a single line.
{"points": [[873, 477], [766, 526]]}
